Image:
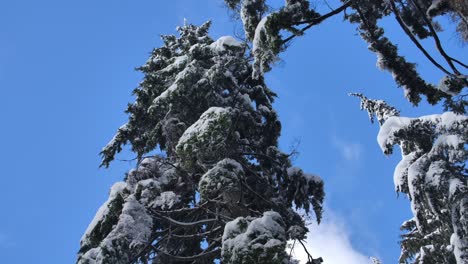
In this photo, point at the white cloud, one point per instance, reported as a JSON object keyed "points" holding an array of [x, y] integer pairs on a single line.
{"points": [[350, 151], [330, 240], [4, 241]]}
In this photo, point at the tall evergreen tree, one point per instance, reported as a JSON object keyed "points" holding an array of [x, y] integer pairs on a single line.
{"points": [[220, 189]]}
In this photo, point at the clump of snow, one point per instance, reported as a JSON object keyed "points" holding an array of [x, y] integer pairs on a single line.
{"points": [[203, 124], [134, 223], [225, 41], [313, 178], [259, 34], [103, 211], [459, 248], [223, 180], [178, 62], [206, 138], [435, 8], [400, 174], [258, 240], [434, 174], [380, 64], [453, 141], [386, 136], [388, 129], [166, 200], [444, 86], [309, 177], [132, 232], [258, 47], [182, 75], [455, 185]]}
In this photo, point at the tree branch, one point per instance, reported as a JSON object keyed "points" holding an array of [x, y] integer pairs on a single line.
{"points": [[185, 223], [318, 20], [436, 38], [190, 258], [413, 38]]}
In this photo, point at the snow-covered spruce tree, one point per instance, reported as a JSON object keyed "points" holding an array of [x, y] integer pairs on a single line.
{"points": [[432, 174], [220, 189]]}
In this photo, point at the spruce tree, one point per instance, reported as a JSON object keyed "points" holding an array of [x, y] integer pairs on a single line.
{"points": [[432, 174], [219, 189]]}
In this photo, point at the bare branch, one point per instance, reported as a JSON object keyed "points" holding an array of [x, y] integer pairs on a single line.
{"points": [[413, 38], [318, 20], [190, 258], [185, 223], [436, 38]]}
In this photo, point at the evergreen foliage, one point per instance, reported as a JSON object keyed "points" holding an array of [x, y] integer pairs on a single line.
{"points": [[432, 174], [220, 189], [275, 30]]}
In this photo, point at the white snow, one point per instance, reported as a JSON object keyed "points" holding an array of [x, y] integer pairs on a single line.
{"points": [[454, 186], [435, 173], [309, 177], [221, 180], [458, 250], [380, 64], [225, 41], [132, 231], [387, 130], [443, 85], [134, 223], [396, 123], [166, 200], [259, 30], [436, 4], [453, 141], [115, 190], [260, 234], [197, 129], [164, 95], [178, 61]]}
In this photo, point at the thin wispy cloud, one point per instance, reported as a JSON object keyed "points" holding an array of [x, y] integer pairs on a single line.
{"points": [[4, 241], [350, 151]]}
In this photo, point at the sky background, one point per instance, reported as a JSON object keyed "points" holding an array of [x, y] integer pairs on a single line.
{"points": [[66, 75]]}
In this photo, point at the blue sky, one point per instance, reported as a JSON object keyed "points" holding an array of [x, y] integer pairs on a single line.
{"points": [[66, 75]]}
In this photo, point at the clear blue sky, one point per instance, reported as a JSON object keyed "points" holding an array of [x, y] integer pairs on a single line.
{"points": [[66, 75]]}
